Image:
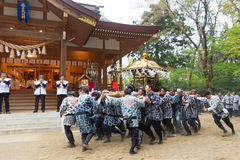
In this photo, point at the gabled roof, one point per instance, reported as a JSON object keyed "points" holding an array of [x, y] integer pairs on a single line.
{"points": [[82, 9], [83, 76]]}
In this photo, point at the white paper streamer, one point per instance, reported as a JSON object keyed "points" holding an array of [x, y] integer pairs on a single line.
{"points": [[29, 53], [18, 53], [6, 49], [39, 51]]}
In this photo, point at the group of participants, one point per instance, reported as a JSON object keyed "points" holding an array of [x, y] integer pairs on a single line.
{"points": [[168, 113]]}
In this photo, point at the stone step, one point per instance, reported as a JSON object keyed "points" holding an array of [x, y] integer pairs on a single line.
{"points": [[29, 114], [28, 95], [29, 119], [30, 125], [11, 98], [32, 100], [29, 130], [31, 108], [32, 104]]}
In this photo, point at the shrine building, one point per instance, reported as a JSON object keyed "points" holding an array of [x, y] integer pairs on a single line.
{"points": [[75, 34]]}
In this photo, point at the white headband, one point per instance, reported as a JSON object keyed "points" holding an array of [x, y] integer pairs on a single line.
{"points": [[179, 90]]}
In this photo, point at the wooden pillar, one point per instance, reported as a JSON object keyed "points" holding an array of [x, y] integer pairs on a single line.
{"points": [[63, 59], [120, 65], [0, 63], [99, 76], [104, 72]]}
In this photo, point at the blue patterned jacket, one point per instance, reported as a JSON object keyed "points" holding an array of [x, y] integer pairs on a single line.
{"points": [[154, 109], [129, 105]]}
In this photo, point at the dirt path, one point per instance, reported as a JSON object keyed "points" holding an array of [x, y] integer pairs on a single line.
{"points": [[52, 145]]}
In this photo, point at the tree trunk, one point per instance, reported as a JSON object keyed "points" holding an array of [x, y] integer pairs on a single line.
{"points": [[156, 53]]}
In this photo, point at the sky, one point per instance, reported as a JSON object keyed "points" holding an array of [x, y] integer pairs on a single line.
{"points": [[121, 11]]}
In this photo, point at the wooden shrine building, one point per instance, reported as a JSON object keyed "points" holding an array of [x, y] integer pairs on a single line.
{"points": [[79, 32]]}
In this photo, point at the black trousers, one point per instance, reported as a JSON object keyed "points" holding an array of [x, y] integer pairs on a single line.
{"points": [[69, 134], [121, 126], [37, 97], [6, 100], [219, 124], [169, 125], [59, 100], [230, 111], [191, 122], [156, 126], [142, 127], [135, 134], [99, 124]]}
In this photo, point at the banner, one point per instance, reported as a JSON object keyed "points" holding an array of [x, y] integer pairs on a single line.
{"points": [[23, 9]]}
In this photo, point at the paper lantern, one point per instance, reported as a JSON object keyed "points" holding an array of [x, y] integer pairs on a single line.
{"points": [[34, 55], [12, 55], [1, 48], [23, 55], [44, 52]]}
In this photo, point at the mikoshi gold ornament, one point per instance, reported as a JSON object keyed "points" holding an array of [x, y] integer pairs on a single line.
{"points": [[34, 55], [1, 48], [23, 55], [44, 52], [12, 54]]}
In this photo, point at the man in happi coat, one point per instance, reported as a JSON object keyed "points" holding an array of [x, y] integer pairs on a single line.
{"points": [[219, 112], [199, 107], [228, 101], [220, 96], [141, 114], [188, 115], [176, 111], [133, 93], [235, 104], [154, 113], [85, 105], [111, 118], [166, 104], [129, 105], [68, 109], [98, 114]]}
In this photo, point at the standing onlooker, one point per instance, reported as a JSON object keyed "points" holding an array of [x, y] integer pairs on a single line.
{"points": [[61, 90], [68, 109], [5, 84], [235, 104], [15, 83], [40, 92], [228, 101], [30, 83]]}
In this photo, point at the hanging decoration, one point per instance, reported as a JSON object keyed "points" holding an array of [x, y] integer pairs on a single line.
{"points": [[1, 48], [44, 52], [34, 55], [39, 51], [12, 55], [6, 49], [27, 48], [23, 56], [18, 53], [29, 53]]}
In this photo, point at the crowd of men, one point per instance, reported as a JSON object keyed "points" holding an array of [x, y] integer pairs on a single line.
{"points": [[170, 113]]}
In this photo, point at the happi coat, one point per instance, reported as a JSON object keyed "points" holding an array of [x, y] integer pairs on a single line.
{"points": [[85, 106]]}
